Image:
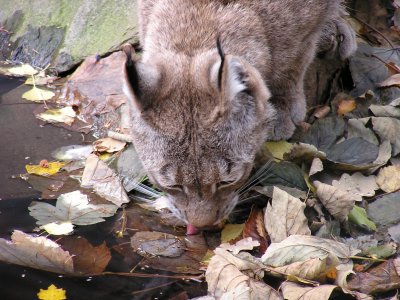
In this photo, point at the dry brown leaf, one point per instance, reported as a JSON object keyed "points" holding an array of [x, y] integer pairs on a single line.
{"points": [[388, 179], [244, 244], [254, 227], [225, 279], [321, 112], [339, 203], [311, 269], [109, 145], [35, 252], [393, 80], [88, 259], [294, 291], [285, 216], [357, 184], [103, 180]]}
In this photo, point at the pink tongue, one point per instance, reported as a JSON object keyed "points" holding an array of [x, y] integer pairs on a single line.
{"points": [[191, 230]]}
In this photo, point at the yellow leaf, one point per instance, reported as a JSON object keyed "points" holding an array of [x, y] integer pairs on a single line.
{"points": [[277, 149], [59, 115], [52, 293], [50, 169], [231, 232], [345, 106], [37, 94], [23, 70], [58, 228]]}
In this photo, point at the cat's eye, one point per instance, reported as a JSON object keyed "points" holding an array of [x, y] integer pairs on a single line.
{"points": [[222, 184]]}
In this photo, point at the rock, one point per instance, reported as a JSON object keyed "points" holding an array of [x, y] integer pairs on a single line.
{"points": [[62, 33]]}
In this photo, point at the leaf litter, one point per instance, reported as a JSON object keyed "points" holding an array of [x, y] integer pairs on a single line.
{"points": [[341, 163]]}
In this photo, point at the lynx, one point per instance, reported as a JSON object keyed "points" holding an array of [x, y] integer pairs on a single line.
{"points": [[215, 80]]}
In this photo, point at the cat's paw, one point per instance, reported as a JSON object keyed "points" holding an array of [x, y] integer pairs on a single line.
{"points": [[337, 40], [283, 127]]}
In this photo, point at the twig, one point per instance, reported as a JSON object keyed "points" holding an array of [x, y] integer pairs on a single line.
{"points": [[374, 29], [145, 275]]}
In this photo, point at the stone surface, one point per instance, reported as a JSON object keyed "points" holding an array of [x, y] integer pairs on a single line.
{"points": [[63, 32]]}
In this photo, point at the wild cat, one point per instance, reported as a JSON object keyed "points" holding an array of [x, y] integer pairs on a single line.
{"points": [[216, 79]]}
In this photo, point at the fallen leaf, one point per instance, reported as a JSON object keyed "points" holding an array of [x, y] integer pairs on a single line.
{"points": [[231, 232], [109, 145], [152, 243], [72, 207], [388, 179], [254, 227], [321, 112], [72, 152], [381, 278], [385, 209], [345, 106], [51, 169], [98, 175], [385, 111], [88, 259], [38, 94], [388, 129], [284, 173], [52, 293], [58, 115], [295, 291], [60, 228], [304, 153], [356, 128], [303, 247], [357, 184], [316, 166], [39, 80], [393, 80], [394, 232], [22, 70], [358, 216], [224, 276], [35, 252], [244, 244], [339, 203], [277, 149], [381, 251], [285, 216]]}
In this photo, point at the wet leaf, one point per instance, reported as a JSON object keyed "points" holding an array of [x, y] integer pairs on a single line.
{"points": [[22, 70], [38, 94], [50, 169], [224, 276], [303, 247], [109, 145], [35, 252], [358, 216], [295, 291], [381, 278], [339, 203], [385, 209], [99, 176], [354, 151], [324, 133], [88, 259], [72, 152], [72, 207], [388, 179], [285, 216], [58, 115], [357, 184], [52, 293], [388, 129], [231, 232], [244, 244], [151, 243]]}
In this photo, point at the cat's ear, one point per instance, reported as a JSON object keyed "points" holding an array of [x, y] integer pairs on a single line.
{"points": [[239, 84], [139, 82]]}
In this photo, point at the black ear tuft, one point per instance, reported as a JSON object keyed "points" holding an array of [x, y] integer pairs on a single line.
{"points": [[131, 71], [221, 67]]}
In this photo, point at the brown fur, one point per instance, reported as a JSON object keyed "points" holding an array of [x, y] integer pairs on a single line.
{"points": [[196, 124]]}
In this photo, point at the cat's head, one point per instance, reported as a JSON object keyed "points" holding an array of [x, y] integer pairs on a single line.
{"points": [[197, 123]]}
